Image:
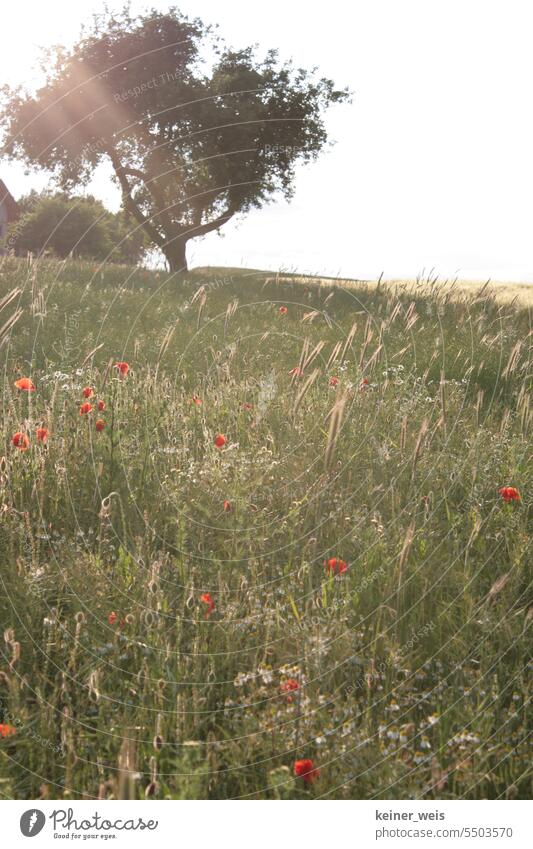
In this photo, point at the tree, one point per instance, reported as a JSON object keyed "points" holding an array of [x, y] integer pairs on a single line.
{"points": [[195, 132], [74, 226]]}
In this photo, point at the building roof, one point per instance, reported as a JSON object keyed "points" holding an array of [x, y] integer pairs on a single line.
{"points": [[7, 199]]}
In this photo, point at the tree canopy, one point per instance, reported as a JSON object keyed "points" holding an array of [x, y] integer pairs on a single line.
{"points": [[196, 132]]}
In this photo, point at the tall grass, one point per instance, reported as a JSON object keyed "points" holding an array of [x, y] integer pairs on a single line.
{"points": [[411, 666]]}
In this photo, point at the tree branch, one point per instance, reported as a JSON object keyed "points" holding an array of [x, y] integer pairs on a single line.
{"points": [[202, 229], [129, 203], [150, 183], [134, 172], [161, 241]]}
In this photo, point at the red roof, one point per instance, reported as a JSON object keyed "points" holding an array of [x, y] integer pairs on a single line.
{"points": [[7, 199]]}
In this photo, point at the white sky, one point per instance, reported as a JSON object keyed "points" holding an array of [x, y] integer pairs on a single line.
{"points": [[433, 165]]}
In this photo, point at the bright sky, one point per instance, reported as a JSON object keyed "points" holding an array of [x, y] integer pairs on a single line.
{"points": [[433, 162]]}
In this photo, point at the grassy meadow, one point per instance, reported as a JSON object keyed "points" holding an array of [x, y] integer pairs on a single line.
{"points": [[340, 581]]}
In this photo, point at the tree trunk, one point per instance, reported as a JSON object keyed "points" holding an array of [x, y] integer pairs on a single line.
{"points": [[176, 255]]}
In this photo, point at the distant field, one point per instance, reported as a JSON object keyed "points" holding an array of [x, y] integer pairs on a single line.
{"points": [[339, 580], [519, 293]]}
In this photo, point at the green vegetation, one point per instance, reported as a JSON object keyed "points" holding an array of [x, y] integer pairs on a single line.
{"points": [[81, 227], [410, 667]]}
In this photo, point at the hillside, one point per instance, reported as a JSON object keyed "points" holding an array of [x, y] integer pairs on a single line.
{"points": [[341, 578], [517, 294]]}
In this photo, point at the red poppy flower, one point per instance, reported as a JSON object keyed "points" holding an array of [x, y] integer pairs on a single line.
{"points": [[207, 598], [336, 566], [364, 383], [99, 425], [288, 687], [220, 440], [296, 371], [123, 368], [333, 381], [509, 493], [42, 434], [101, 405], [7, 730], [196, 400], [283, 310], [88, 392], [85, 408], [306, 770], [25, 384], [227, 506], [112, 618], [21, 441]]}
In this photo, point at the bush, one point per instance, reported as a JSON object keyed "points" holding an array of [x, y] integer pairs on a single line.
{"points": [[81, 227]]}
